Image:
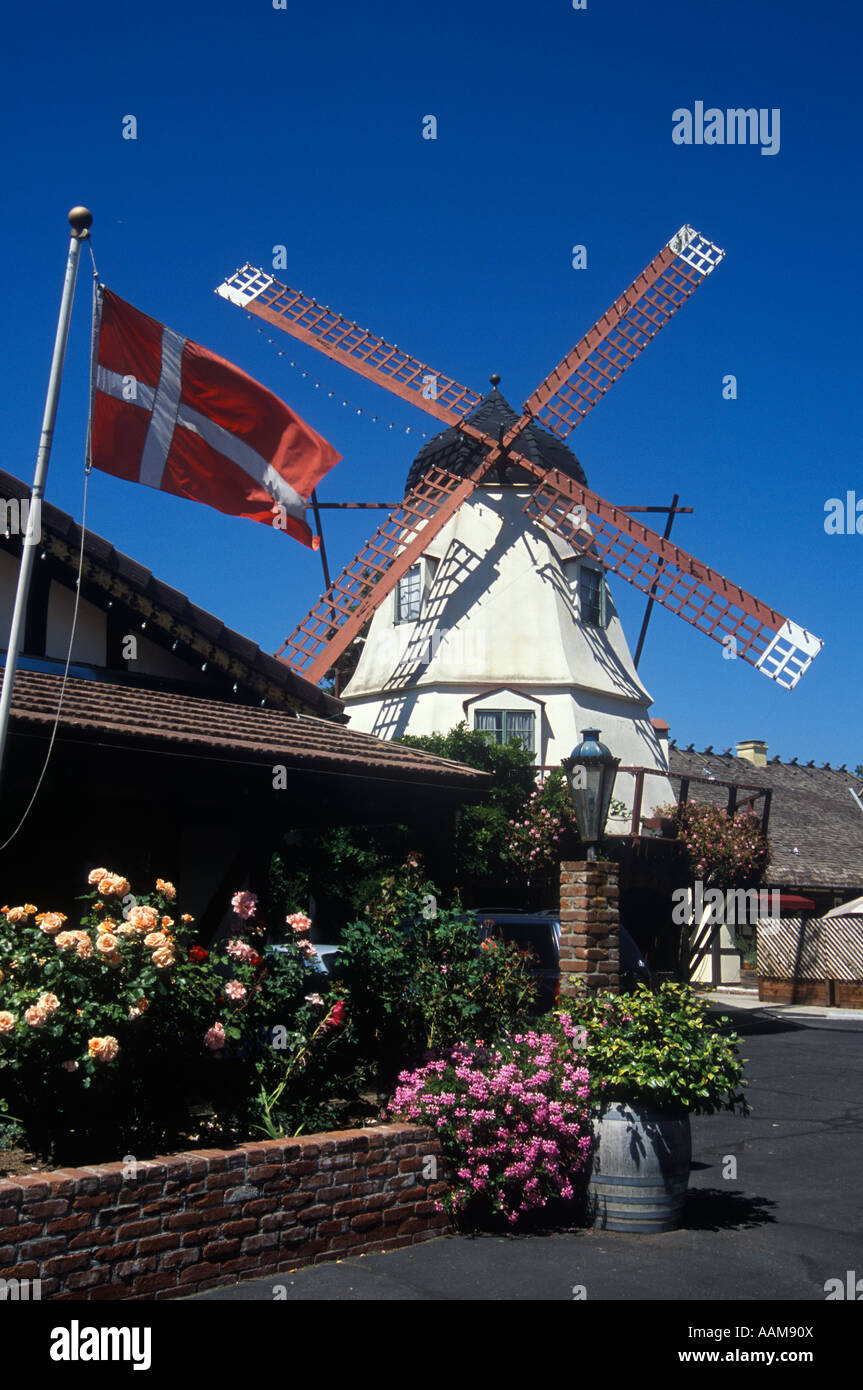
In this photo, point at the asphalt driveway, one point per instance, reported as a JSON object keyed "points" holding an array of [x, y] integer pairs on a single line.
{"points": [[775, 1205]]}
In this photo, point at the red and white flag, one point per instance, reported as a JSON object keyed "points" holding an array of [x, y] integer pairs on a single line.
{"points": [[171, 415]]}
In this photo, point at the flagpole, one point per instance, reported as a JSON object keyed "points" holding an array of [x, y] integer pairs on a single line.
{"points": [[80, 220]]}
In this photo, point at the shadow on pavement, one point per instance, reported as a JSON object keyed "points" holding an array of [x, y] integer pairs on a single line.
{"points": [[749, 1022], [709, 1209]]}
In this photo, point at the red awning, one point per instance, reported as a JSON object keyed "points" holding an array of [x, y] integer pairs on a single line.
{"points": [[792, 903]]}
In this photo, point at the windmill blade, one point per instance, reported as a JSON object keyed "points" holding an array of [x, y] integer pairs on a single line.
{"points": [[337, 617], [603, 354], [779, 648], [322, 328]]}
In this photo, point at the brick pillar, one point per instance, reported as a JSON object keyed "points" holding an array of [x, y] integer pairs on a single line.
{"points": [[589, 937]]}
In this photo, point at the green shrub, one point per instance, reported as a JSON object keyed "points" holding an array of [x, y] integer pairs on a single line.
{"points": [[415, 978], [661, 1048]]}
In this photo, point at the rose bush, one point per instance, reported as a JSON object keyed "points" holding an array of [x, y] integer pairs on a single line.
{"points": [[112, 1029], [720, 850]]}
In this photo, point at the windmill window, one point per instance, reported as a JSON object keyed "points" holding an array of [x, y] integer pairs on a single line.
{"points": [[591, 596], [507, 726], [409, 596]]}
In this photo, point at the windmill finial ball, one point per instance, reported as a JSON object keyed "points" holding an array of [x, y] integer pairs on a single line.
{"points": [[494, 379]]}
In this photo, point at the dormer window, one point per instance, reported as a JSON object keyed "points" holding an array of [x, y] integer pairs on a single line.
{"points": [[504, 726], [591, 596], [409, 596]]}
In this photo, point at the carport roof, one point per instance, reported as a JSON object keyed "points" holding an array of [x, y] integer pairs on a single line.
{"points": [[132, 716]]}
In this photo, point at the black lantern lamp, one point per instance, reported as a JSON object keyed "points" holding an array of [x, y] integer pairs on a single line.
{"points": [[590, 773]]}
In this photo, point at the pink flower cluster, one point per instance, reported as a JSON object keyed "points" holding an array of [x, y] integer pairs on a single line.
{"points": [[513, 1119], [533, 843], [726, 850]]}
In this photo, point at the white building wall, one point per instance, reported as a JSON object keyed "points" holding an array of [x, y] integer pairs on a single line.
{"points": [[501, 611]]}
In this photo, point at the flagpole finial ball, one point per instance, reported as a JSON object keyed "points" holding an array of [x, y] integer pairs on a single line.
{"points": [[495, 379], [80, 220]]}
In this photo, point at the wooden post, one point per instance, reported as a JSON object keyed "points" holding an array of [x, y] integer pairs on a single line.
{"points": [[635, 828]]}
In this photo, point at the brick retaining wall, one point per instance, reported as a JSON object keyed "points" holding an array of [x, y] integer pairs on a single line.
{"points": [[193, 1220]]}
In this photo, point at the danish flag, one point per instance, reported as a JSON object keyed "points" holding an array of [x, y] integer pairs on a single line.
{"points": [[174, 416]]}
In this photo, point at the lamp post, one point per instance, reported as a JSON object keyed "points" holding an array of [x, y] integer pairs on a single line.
{"points": [[590, 773]]}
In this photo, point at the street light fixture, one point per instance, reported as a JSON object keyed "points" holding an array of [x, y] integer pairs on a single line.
{"points": [[590, 773]]}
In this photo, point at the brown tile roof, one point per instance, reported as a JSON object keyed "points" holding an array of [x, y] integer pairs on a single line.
{"points": [[237, 732], [180, 608], [812, 809]]}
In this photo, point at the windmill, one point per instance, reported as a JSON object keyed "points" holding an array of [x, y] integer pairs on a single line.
{"points": [[495, 443]]}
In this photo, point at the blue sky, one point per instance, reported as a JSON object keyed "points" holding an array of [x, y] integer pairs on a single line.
{"points": [[302, 127]]}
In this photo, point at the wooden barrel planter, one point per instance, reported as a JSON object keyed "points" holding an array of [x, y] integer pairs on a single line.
{"points": [[639, 1170]]}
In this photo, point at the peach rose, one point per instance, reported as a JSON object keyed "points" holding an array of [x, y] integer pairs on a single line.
{"points": [[139, 1008], [7, 1021], [96, 875], [103, 1049], [107, 924], [157, 939], [16, 914], [168, 889], [143, 918], [64, 939], [51, 922], [107, 944], [35, 1017], [163, 959], [113, 886], [70, 1065], [114, 961], [186, 917], [126, 929], [167, 923], [83, 945], [49, 1003]]}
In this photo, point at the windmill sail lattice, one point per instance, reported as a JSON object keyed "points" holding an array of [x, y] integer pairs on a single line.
{"points": [[595, 363], [779, 648], [351, 600], [687, 587], [344, 342]]}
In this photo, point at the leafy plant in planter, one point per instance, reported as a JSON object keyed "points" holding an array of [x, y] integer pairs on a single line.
{"points": [[655, 1058], [660, 1048]]}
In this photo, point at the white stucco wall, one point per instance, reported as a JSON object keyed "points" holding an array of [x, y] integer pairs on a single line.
{"points": [[501, 609], [90, 641], [91, 632]]}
